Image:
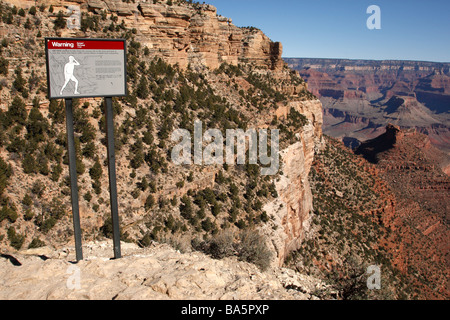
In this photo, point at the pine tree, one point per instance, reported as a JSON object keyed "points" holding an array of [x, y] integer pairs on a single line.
{"points": [[29, 164], [36, 126], [96, 171], [60, 22], [5, 173], [142, 90], [17, 113], [19, 81]]}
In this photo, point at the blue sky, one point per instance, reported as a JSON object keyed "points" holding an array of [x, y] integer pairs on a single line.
{"points": [[410, 29]]}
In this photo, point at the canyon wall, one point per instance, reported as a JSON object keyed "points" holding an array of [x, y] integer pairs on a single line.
{"points": [[181, 33], [361, 97]]}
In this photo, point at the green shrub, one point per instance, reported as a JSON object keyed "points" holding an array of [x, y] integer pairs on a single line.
{"points": [[5, 174], [60, 21], [56, 172], [38, 188], [87, 196], [149, 202], [19, 81], [8, 212], [29, 164], [186, 209], [96, 171], [16, 240], [17, 113], [207, 224], [32, 11], [36, 243], [29, 215], [4, 66]]}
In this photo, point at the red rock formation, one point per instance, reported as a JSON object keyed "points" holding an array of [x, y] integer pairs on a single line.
{"points": [[365, 89], [409, 163]]}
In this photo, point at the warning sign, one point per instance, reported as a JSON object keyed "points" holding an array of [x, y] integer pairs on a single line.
{"points": [[85, 67]]}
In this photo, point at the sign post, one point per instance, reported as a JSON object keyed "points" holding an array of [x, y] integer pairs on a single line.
{"points": [[112, 176], [73, 179], [87, 68]]}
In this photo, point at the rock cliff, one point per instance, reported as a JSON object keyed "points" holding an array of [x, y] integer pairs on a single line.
{"points": [[184, 33], [293, 206], [411, 167]]}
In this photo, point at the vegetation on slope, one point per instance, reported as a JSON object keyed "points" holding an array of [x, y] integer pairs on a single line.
{"points": [[347, 234], [159, 201]]}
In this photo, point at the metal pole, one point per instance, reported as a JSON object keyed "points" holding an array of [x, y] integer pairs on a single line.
{"points": [[112, 176], [73, 179]]}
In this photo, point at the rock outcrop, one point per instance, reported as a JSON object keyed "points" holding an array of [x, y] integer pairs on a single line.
{"points": [[193, 34], [155, 273], [292, 208]]}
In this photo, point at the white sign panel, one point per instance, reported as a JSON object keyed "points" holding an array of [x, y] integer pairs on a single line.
{"points": [[79, 68]]}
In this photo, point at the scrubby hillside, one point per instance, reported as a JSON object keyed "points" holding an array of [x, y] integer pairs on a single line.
{"points": [[361, 219], [158, 200]]}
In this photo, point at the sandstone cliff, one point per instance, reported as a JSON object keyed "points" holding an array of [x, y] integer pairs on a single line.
{"points": [[182, 33]]}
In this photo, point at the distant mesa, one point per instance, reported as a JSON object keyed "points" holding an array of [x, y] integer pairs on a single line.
{"points": [[360, 97]]}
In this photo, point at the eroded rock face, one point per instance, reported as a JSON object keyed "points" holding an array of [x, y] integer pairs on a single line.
{"points": [[411, 166], [194, 34], [291, 210]]}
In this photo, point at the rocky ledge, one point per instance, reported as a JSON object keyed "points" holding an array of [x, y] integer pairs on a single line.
{"points": [[157, 273]]}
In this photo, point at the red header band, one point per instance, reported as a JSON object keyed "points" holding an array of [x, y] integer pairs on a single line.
{"points": [[85, 44]]}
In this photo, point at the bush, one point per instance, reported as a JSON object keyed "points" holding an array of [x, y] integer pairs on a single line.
{"points": [[38, 188], [87, 196], [252, 248], [16, 240], [32, 10], [4, 66], [47, 225], [17, 112], [9, 213], [221, 246], [96, 171], [207, 225], [60, 22], [56, 172], [107, 228], [19, 82], [186, 209], [36, 243], [5, 173], [149, 202], [29, 215], [142, 90], [247, 245], [29, 164]]}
